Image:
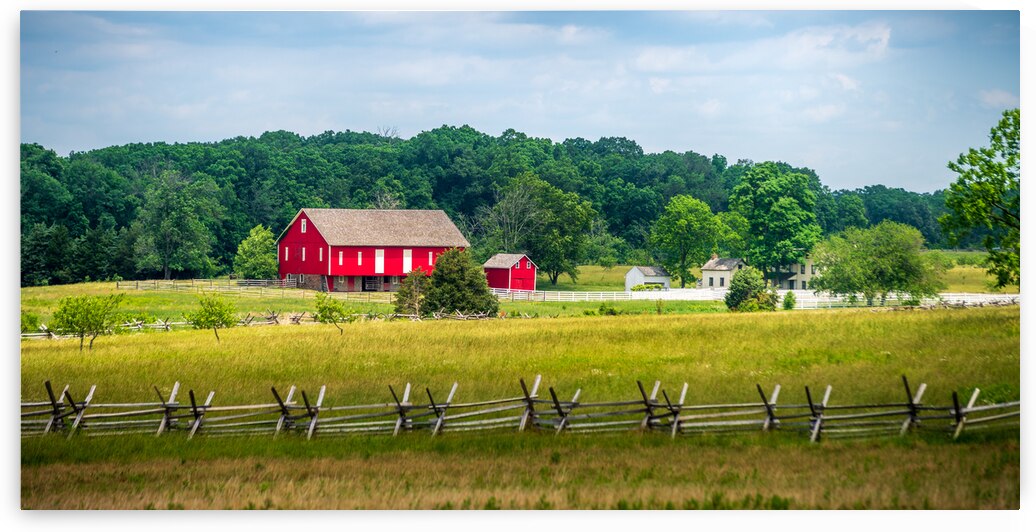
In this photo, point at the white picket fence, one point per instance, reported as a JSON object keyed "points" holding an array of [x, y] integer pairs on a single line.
{"points": [[804, 299]]}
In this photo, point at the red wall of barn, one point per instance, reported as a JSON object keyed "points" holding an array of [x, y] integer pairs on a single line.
{"points": [[521, 276], [497, 278], [294, 240], [393, 260]]}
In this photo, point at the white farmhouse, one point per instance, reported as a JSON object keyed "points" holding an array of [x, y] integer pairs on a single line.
{"points": [[717, 272], [647, 275]]}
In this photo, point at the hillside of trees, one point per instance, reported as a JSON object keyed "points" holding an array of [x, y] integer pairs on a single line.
{"points": [[181, 210]]}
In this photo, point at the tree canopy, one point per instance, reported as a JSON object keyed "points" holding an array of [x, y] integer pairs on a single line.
{"points": [[986, 196], [113, 212], [459, 284], [685, 235], [778, 203], [876, 262], [256, 256]]}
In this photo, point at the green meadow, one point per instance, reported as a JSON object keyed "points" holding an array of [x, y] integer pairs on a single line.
{"points": [[862, 354]]}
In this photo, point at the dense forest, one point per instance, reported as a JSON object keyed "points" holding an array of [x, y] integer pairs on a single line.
{"points": [[144, 210]]}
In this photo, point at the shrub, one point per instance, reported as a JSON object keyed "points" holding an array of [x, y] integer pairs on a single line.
{"points": [[789, 301], [411, 294], [84, 316], [459, 284], [214, 313], [748, 293], [330, 310], [30, 322]]}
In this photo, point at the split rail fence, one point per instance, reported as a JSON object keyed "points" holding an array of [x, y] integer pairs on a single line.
{"points": [[296, 412]]}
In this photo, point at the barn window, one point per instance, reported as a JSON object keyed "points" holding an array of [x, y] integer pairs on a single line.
{"points": [[528, 265], [321, 259], [285, 253], [429, 258], [379, 261], [303, 225], [518, 265], [303, 253], [408, 260], [340, 254], [359, 258]]}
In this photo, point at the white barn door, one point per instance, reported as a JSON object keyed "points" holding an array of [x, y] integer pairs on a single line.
{"points": [[407, 260]]}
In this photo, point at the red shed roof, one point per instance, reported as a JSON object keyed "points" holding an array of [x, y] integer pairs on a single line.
{"points": [[504, 260], [374, 227]]}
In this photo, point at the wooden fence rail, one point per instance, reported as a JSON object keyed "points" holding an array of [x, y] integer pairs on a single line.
{"points": [[296, 412]]}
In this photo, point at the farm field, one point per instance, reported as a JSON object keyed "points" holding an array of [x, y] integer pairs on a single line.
{"points": [[860, 353]]}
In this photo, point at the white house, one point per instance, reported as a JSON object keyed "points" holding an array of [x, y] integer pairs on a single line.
{"points": [[647, 275], [717, 272]]}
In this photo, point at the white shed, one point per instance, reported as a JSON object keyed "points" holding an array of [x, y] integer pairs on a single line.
{"points": [[647, 275]]}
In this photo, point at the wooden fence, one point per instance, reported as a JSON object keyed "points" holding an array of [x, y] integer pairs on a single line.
{"points": [[804, 299], [527, 410]]}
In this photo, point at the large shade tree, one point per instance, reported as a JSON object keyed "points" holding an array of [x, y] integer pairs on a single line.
{"points": [[986, 196], [170, 224], [685, 235], [779, 206], [876, 262]]}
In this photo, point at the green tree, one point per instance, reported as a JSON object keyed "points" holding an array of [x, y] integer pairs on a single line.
{"points": [[412, 291], [558, 241], [214, 313], [256, 256], [876, 262], [986, 196], [330, 310], [685, 236], [84, 316], [779, 206], [458, 283], [748, 293], [172, 233]]}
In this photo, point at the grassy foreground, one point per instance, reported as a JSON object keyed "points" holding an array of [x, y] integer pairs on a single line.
{"points": [[860, 353]]}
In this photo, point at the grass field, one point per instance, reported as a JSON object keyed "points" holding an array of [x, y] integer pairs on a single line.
{"points": [[860, 353]]}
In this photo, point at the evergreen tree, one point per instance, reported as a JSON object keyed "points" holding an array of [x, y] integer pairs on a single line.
{"points": [[459, 284]]}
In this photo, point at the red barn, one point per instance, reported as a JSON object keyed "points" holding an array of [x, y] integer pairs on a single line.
{"points": [[511, 271], [354, 250]]}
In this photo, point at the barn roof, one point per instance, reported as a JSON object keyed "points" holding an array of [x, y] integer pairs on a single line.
{"points": [[375, 227], [653, 271], [504, 260], [721, 263]]}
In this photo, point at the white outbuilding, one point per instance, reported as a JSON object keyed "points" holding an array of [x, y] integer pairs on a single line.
{"points": [[649, 275]]}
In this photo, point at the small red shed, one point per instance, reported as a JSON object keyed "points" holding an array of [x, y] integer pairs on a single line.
{"points": [[510, 271]]}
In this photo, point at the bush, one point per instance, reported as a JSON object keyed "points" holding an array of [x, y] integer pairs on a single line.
{"points": [[330, 310], [411, 295], [459, 284], [84, 316], [30, 322], [215, 313], [789, 301], [748, 293]]}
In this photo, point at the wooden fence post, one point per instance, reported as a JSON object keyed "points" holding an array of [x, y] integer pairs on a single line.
{"points": [[313, 411], [58, 415], [169, 406], [912, 402], [563, 413], [816, 421], [440, 410], [80, 410], [649, 403], [285, 418], [198, 414], [401, 407], [530, 406], [771, 418], [962, 418], [675, 409]]}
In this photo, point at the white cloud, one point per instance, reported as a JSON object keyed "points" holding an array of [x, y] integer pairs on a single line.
{"points": [[710, 108], [746, 19], [847, 83], [998, 99], [660, 85], [670, 58]]}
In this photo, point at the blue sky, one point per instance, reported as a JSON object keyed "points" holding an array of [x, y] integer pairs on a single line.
{"points": [[862, 97]]}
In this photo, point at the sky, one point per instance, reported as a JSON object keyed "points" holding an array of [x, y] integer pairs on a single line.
{"points": [[862, 97]]}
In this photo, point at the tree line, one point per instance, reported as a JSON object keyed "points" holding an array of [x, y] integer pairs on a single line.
{"points": [[182, 210]]}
